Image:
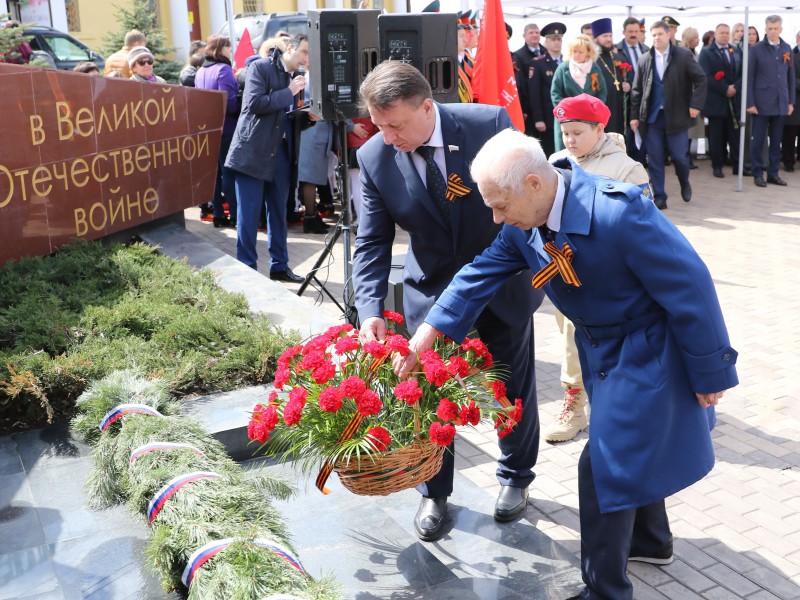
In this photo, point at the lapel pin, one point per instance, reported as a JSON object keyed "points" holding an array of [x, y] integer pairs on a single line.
{"points": [[452, 148]]}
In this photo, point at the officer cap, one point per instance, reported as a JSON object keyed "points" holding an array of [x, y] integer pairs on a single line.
{"points": [[463, 19], [434, 6], [670, 21], [554, 30], [582, 108]]}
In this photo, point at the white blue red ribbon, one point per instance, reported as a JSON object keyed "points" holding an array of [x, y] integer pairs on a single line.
{"points": [[169, 489], [155, 446], [203, 554], [121, 410]]}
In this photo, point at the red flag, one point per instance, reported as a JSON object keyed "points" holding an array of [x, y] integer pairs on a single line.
{"points": [[493, 80], [244, 49]]}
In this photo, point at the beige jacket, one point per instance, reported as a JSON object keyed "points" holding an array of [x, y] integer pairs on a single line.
{"points": [[609, 159], [119, 62]]}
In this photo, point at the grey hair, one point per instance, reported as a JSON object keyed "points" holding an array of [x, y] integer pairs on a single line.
{"points": [[507, 158], [774, 19], [528, 27]]}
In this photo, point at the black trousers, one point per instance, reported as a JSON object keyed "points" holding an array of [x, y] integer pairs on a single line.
{"points": [[514, 348], [722, 133], [607, 540], [789, 144]]}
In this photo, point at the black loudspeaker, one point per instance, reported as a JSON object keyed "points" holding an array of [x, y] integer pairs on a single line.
{"points": [[343, 47], [428, 41]]}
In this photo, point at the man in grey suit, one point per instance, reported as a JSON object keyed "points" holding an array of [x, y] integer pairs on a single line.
{"points": [[416, 175]]}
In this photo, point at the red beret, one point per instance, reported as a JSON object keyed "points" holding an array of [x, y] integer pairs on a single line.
{"points": [[582, 108]]}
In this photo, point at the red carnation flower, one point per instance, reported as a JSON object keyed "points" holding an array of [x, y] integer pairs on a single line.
{"points": [[346, 344], [447, 410], [498, 390], [376, 349], [397, 343], [501, 433], [719, 75], [379, 438], [516, 414], [256, 432], [434, 369], [408, 391], [330, 399], [458, 366], [393, 316], [288, 354], [369, 403], [479, 349], [298, 395], [323, 373], [263, 421], [625, 66], [273, 397], [353, 387], [312, 360], [338, 330], [470, 415], [292, 412], [318, 344], [442, 434], [281, 378]]}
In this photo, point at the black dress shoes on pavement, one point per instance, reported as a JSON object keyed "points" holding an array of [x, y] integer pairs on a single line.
{"points": [[429, 520], [718, 173], [511, 503], [285, 275], [775, 180], [759, 181], [661, 203], [686, 192]]}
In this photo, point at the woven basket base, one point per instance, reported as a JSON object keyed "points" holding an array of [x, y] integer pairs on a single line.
{"points": [[391, 472]]}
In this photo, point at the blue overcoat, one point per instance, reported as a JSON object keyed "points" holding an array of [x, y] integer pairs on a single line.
{"points": [[650, 334], [770, 78]]}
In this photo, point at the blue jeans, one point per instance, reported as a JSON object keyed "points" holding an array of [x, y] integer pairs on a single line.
{"points": [[764, 125], [253, 194], [226, 181], [655, 141]]}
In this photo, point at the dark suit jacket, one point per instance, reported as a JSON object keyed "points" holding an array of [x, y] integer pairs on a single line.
{"points": [[394, 194], [770, 78], [539, 89], [684, 87], [712, 62], [622, 47], [524, 70], [794, 118]]}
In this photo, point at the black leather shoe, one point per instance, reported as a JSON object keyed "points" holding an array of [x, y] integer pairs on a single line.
{"points": [[686, 192], [511, 503], [718, 173], [662, 556], [759, 181], [661, 203], [429, 520], [747, 172], [285, 275], [775, 180], [788, 168]]}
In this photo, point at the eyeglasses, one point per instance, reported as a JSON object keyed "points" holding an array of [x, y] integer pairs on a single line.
{"points": [[144, 61]]}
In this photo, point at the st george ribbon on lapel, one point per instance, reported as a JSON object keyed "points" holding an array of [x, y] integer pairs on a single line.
{"points": [[437, 187]]}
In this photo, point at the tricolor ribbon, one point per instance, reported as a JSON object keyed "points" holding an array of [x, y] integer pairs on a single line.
{"points": [[205, 553], [155, 446], [116, 413], [169, 489], [456, 188], [349, 431], [561, 264]]}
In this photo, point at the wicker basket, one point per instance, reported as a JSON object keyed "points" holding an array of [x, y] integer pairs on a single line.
{"points": [[391, 472]]}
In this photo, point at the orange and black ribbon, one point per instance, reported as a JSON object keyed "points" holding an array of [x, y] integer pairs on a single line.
{"points": [[561, 264], [349, 431], [455, 188]]}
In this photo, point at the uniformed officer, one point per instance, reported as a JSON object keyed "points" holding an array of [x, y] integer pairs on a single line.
{"points": [[539, 85], [465, 65], [673, 29]]}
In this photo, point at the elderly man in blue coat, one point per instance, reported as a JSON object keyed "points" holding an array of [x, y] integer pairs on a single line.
{"points": [[654, 349], [415, 176], [770, 98]]}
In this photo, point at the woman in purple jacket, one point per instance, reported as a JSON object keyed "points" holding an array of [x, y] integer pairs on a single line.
{"points": [[217, 74]]}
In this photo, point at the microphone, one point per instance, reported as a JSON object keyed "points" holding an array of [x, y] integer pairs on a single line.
{"points": [[301, 70]]}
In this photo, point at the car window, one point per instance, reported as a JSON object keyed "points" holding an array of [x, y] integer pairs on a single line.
{"points": [[66, 49], [292, 26]]}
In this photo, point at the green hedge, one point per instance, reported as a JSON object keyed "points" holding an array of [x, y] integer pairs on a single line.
{"points": [[91, 309]]}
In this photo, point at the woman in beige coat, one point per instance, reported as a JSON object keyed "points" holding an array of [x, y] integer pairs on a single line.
{"points": [[582, 120]]}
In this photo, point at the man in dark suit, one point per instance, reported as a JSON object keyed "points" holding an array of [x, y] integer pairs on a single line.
{"points": [[791, 126], [668, 92], [770, 98], [722, 64], [425, 144], [524, 70], [632, 49], [539, 85]]}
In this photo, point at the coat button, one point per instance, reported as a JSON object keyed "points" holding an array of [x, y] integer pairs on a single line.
{"points": [[602, 374], [726, 356]]}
